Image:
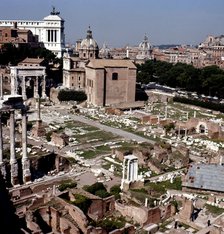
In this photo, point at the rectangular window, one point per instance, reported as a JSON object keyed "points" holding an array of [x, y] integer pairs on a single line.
{"points": [[115, 76], [48, 35]]}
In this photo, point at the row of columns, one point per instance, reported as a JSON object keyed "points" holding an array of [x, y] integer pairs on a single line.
{"points": [[13, 160], [52, 35], [14, 86], [130, 169]]}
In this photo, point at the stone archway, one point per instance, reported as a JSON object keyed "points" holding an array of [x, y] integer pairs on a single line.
{"points": [[202, 128]]}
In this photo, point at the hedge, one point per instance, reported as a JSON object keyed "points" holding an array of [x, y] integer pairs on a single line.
{"points": [[71, 95]]}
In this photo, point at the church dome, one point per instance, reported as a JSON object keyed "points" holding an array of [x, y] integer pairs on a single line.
{"points": [[89, 42], [145, 45], [88, 47]]}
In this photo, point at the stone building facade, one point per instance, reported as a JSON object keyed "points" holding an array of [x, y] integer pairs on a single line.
{"points": [[110, 81], [49, 31], [17, 36], [105, 81]]}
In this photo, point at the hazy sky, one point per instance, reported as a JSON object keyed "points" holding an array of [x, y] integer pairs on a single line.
{"points": [[122, 22]]}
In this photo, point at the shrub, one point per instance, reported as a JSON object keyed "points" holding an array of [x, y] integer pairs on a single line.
{"points": [[48, 136], [97, 189], [82, 202], [115, 190], [102, 193], [72, 95], [64, 186]]}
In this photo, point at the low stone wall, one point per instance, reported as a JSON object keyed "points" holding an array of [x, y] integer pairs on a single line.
{"points": [[139, 214]]}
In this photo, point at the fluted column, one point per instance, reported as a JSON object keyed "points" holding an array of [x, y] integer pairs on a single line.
{"points": [[128, 171], [24, 88], [36, 85], [44, 87], [13, 161], [135, 169], [2, 166], [13, 84], [25, 160]]}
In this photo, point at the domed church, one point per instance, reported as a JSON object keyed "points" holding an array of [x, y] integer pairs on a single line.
{"points": [[88, 48], [144, 49]]}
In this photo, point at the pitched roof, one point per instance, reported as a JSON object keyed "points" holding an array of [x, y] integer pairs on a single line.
{"points": [[205, 176], [101, 63], [33, 60]]}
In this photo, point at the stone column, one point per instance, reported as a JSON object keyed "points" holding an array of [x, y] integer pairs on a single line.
{"points": [[24, 88], [1, 87], [36, 85], [13, 161], [124, 168], [135, 176], [2, 166], [13, 84], [128, 170], [25, 160], [166, 112], [123, 174], [44, 87]]}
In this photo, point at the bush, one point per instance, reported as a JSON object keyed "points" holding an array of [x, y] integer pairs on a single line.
{"points": [[110, 224], [48, 136], [72, 95], [97, 189], [115, 190], [64, 186], [204, 104], [102, 193], [82, 202]]}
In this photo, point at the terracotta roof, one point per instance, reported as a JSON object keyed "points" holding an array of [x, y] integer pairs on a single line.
{"points": [[33, 60], [101, 63]]}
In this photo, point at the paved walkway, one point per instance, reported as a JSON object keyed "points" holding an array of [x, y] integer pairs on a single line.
{"points": [[116, 131]]}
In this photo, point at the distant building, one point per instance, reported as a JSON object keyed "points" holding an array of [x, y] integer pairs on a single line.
{"points": [[110, 81], [213, 50], [49, 31], [145, 50], [17, 37], [74, 66], [105, 81]]}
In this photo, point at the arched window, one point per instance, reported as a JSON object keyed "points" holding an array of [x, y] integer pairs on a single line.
{"points": [[202, 129], [114, 76]]}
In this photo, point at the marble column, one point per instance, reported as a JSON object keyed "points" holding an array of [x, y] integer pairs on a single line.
{"points": [[36, 86], [124, 169], [166, 112], [25, 159], [13, 85], [44, 87], [2, 166], [13, 161], [1, 87], [135, 176], [24, 88], [128, 170]]}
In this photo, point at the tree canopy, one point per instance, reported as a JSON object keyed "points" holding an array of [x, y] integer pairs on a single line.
{"points": [[9, 53], [208, 80]]}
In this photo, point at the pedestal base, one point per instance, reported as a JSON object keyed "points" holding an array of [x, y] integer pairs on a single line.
{"points": [[14, 173], [26, 170], [3, 170], [26, 178]]}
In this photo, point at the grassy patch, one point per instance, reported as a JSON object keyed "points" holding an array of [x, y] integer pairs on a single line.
{"points": [[161, 187], [214, 210], [89, 154]]}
